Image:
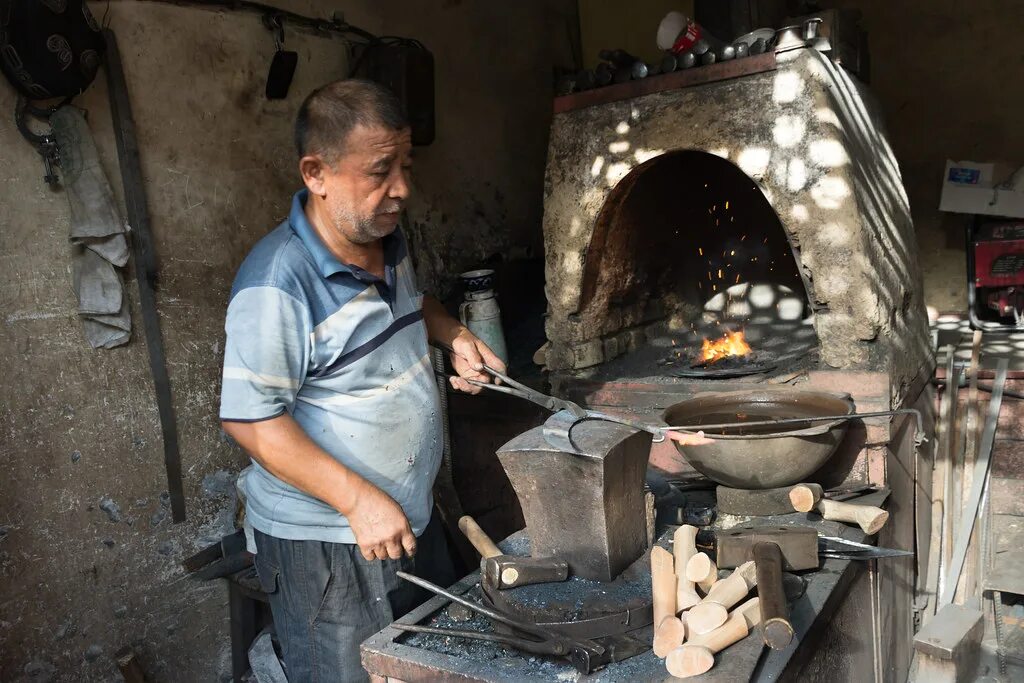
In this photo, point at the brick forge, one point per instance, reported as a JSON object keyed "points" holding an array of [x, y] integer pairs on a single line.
{"points": [[800, 154], [656, 204]]}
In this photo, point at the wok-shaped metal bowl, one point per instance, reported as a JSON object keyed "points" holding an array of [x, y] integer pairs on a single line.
{"points": [[762, 457]]}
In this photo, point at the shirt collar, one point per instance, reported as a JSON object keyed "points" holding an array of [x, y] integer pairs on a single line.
{"points": [[326, 262]]}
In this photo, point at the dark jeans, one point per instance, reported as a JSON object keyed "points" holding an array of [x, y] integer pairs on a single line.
{"points": [[326, 599]]}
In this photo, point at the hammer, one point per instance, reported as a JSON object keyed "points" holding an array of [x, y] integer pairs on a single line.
{"points": [[772, 549], [510, 571]]}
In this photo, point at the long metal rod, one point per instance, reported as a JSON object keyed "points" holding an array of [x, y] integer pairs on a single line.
{"points": [[983, 387], [145, 266], [547, 634], [981, 468], [940, 475], [799, 420]]}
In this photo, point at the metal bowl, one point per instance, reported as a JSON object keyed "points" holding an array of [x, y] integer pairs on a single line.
{"points": [[762, 457]]}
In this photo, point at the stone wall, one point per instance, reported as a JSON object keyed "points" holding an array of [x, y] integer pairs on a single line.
{"points": [[89, 559], [811, 140]]}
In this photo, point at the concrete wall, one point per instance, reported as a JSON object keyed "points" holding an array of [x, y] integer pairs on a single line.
{"points": [[944, 75], [80, 426]]}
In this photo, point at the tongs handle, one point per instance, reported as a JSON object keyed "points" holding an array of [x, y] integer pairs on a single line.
{"points": [[519, 389], [564, 643], [487, 368]]}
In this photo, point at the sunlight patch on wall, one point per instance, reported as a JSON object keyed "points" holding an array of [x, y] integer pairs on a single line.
{"points": [[641, 155], [828, 153], [754, 161], [616, 172], [829, 192], [788, 130], [787, 87], [796, 175]]}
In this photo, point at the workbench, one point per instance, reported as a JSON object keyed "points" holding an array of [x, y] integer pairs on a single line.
{"points": [[392, 653]]}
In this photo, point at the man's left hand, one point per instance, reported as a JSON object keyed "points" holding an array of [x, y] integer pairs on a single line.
{"points": [[469, 355]]}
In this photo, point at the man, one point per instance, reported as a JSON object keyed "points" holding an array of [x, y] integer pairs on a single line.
{"points": [[328, 385]]}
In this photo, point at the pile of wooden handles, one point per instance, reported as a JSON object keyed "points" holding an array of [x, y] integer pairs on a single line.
{"points": [[692, 617]]}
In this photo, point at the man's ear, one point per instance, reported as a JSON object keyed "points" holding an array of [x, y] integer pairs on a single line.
{"points": [[312, 169]]}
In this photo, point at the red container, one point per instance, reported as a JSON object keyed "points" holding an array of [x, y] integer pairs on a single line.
{"points": [[999, 255]]}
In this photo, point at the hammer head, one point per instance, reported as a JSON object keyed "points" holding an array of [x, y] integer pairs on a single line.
{"points": [[799, 545], [509, 571]]}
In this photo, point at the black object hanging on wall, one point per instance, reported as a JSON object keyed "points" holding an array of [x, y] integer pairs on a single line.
{"points": [[406, 67], [282, 66], [49, 48]]}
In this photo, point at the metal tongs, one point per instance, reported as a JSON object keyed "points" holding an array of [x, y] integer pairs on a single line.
{"points": [[584, 654], [558, 427]]}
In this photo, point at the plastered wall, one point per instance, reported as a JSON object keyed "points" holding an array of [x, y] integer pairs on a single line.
{"points": [[89, 560], [943, 74]]}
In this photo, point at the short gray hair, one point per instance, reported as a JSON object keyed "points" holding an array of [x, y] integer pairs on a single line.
{"points": [[331, 112]]}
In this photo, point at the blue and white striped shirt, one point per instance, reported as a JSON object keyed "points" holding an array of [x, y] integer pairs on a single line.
{"points": [[345, 353]]}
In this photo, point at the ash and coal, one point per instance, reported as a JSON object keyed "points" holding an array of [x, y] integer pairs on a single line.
{"points": [[785, 347]]}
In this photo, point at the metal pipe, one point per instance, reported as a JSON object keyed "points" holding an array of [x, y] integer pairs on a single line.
{"points": [[981, 387]]}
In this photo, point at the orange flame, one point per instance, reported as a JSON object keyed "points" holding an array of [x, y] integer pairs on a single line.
{"points": [[732, 344]]}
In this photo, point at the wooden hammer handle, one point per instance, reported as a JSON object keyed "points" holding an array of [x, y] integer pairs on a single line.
{"points": [[777, 630], [478, 537]]}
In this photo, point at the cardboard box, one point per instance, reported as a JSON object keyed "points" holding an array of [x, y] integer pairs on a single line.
{"points": [[973, 188]]}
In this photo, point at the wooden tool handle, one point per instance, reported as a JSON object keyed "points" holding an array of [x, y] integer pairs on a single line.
{"points": [[697, 656], [734, 587], [728, 591], [689, 660], [805, 497], [478, 537], [684, 546], [701, 569], [733, 630], [669, 635], [750, 611], [869, 518], [705, 617], [663, 584], [777, 631]]}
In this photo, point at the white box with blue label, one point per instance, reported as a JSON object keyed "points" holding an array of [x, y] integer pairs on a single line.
{"points": [[978, 188]]}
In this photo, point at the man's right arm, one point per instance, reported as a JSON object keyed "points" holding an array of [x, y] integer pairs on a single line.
{"points": [[281, 446]]}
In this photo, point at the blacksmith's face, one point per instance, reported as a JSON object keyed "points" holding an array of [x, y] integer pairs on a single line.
{"points": [[366, 188]]}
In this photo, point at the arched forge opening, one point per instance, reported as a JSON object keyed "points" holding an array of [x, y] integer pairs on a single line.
{"points": [[687, 247]]}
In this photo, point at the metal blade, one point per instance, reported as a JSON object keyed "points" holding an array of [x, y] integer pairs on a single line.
{"points": [[830, 546]]}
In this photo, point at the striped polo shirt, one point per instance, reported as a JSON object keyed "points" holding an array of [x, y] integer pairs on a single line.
{"points": [[344, 353]]}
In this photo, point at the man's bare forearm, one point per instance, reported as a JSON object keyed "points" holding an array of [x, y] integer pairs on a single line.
{"points": [[441, 326], [286, 451]]}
